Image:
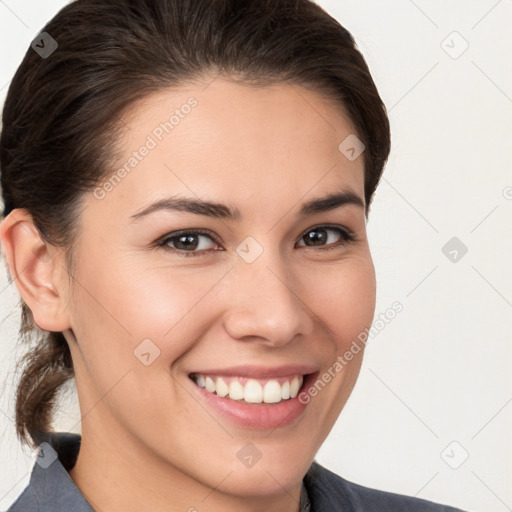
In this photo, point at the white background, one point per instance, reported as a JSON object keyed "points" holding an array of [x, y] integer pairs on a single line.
{"points": [[440, 371]]}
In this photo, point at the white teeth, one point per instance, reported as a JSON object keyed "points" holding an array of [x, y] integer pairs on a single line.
{"points": [[285, 391], [252, 392], [272, 392], [221, 387], [294, 386], [209, 384], [236, 390]]}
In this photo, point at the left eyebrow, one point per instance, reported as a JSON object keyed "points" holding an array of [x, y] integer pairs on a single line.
{"points": [[330, 202], [222, 211]]}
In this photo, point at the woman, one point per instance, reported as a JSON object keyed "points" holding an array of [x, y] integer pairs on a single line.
{"points": [[186, 188]]}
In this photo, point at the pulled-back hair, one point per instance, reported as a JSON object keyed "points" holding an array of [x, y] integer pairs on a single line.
{"points": [[62, 116]]}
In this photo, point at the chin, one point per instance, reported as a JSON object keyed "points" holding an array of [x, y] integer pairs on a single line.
{"points": [[264, 480]]}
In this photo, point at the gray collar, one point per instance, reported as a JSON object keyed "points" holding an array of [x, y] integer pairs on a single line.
{"points": [[305, 504]]}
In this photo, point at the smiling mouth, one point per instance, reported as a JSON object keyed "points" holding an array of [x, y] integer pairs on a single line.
{"points": [[252, 391]]}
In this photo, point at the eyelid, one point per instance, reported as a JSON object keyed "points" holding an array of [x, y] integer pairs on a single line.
{"points": [[162, 241], [338, 227]]}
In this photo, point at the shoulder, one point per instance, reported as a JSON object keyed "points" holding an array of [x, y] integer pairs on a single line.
{"points": [[327, 490], [50, 487]]}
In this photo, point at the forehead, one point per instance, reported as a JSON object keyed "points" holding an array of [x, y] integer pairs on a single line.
{"points": [[255, 147]]}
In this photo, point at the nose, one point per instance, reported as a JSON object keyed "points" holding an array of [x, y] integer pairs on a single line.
{"points": [[264, 304]]}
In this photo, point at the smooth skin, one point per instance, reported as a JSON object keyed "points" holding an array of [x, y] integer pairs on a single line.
{"points": [[149, 442]]}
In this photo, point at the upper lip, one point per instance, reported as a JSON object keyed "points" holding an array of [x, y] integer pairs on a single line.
{"points": [[260, 372]]}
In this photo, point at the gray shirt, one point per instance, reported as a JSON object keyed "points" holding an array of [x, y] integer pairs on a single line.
{"points": [[51, 489]]}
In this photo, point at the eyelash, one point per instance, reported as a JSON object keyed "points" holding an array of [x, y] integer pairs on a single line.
{"points": [[346, 238]]}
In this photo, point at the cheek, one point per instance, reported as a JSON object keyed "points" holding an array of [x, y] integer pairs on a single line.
{"points": [[126, 305], [116, 312], [343, 297]]}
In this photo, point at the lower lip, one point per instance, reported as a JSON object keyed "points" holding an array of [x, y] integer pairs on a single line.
{"points": [[257, 416]]}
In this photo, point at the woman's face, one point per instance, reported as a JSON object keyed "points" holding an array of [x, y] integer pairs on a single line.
{"points": [[255, 290]]}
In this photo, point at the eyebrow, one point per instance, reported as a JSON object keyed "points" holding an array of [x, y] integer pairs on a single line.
{"points": [[222, 211]]}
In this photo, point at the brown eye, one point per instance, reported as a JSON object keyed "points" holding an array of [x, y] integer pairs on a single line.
{"points": [[188, 243], [322, 236]]}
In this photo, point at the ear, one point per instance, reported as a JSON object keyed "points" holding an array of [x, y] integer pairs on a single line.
{"points": [[35, 266]]}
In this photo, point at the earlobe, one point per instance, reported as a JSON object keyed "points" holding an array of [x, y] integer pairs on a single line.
{"points": [[31, 263]]}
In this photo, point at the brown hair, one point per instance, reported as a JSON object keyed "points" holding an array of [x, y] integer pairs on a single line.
{"points": [[61, 115]]}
